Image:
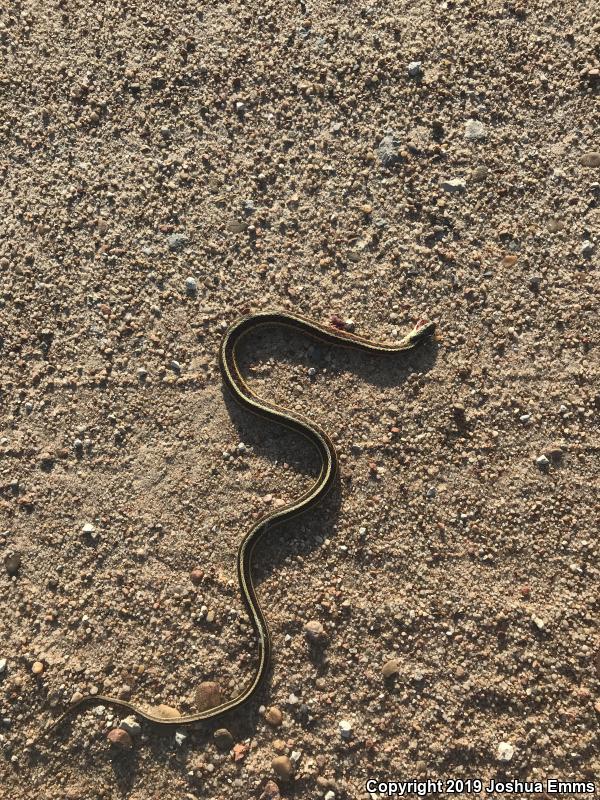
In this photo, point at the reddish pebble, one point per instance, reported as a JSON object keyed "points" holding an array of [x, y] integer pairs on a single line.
{"points": [[271, 791], [525, 591], [239, 751], [196, 576], [120, 738]]}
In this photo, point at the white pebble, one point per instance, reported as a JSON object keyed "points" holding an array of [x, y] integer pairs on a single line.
{"points": [[2, 665], [131, 726], [542, 462], [454, 185], [180, 738], [414, 69], [474, 130], [505, 752], [345, 729], [88, 528]]}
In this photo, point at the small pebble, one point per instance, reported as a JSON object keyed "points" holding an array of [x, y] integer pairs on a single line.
{"points": [[131, 726], [414, 69], [454, 185], [474, 130], [587, 248], [196, 576], [240, 751], [191, 286], [88, 528], [270, 791], [391, 668], [480, 173], [274, 716], [283, 767], [388, 151], [208, 695], [2, 665], [46, 460], [223, 739], [180, 738], [505, 752], [12, 562], [591, 159], [177, 241], [314, 631], [37, 668], [345, 729], [542, 462], [120, 738]]}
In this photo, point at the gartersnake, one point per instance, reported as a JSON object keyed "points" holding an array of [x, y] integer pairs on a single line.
{"points": [[329, 464]]}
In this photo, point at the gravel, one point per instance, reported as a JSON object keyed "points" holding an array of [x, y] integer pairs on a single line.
{"points": [[475, 130], [388, 150], [177, 241], [283, 157], [505, 752]]}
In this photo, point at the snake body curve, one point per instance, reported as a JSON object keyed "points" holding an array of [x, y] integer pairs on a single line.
{"points": [[329, 465]]}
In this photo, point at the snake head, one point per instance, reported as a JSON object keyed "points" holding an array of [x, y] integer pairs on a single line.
{"points": [[422, 330]]}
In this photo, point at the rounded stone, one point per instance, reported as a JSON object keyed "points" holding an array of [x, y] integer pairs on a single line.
{"points": [[208, 695], [391, 668], [120, 738], [37, 668], [12, 563], [274, 716], [314, 631], [196, 576], [223, 739], [283, 767], [591, 159]]}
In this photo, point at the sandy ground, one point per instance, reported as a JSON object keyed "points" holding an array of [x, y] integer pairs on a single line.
{"points": [[381, 163]]}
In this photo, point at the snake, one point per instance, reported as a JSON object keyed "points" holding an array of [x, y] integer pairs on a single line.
{"points": [[329, 465]]}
